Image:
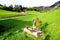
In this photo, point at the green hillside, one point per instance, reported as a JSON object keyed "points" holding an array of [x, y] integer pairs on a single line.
{"points": [[4, 13], [12, 29]]}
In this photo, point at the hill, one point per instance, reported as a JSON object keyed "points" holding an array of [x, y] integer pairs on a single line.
{"points": [[48, 8], [56, 5], [12, 29]]}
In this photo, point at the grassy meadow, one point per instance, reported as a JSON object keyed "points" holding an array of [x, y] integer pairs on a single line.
{"points": [[12, 29]]}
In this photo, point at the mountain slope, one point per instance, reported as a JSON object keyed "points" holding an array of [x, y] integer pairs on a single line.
{"points": [[57, 4]]}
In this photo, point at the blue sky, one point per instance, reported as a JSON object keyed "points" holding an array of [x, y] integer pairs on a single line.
{"points": [[29, 3]]}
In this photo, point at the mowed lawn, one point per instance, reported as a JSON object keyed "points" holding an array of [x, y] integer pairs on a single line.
{"points": [[12, 29], [5, 14]]}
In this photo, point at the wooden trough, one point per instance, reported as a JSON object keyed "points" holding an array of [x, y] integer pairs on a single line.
{"points": [[34, 30], [36, 33]]}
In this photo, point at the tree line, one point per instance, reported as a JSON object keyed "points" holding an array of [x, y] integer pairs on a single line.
{"points": [[20, 8], [16, 8]]}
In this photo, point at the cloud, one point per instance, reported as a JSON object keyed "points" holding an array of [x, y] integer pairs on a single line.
{"points": [[29, 3]]}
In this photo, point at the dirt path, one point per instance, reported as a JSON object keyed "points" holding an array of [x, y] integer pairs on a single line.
{"points": [[12, 17], [8, 18]]}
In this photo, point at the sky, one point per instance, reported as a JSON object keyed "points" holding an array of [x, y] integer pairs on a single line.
{"points": [[28, 3]]}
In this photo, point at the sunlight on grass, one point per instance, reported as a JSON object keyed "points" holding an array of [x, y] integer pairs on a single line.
{"points": [[13, 28]]}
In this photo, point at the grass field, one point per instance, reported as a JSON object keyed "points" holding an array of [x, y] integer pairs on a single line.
{"points": [[4, 13], [12, 29]]}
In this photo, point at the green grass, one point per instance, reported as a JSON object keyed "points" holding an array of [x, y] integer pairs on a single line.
{"points": [[13, 28], [5, 14]]}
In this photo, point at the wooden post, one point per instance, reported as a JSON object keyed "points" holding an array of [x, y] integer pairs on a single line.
{"points": [[34, 24]]}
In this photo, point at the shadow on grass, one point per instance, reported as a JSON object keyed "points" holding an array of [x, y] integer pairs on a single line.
{"points": [[47, 37], [13, 25], [44, 27]]}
